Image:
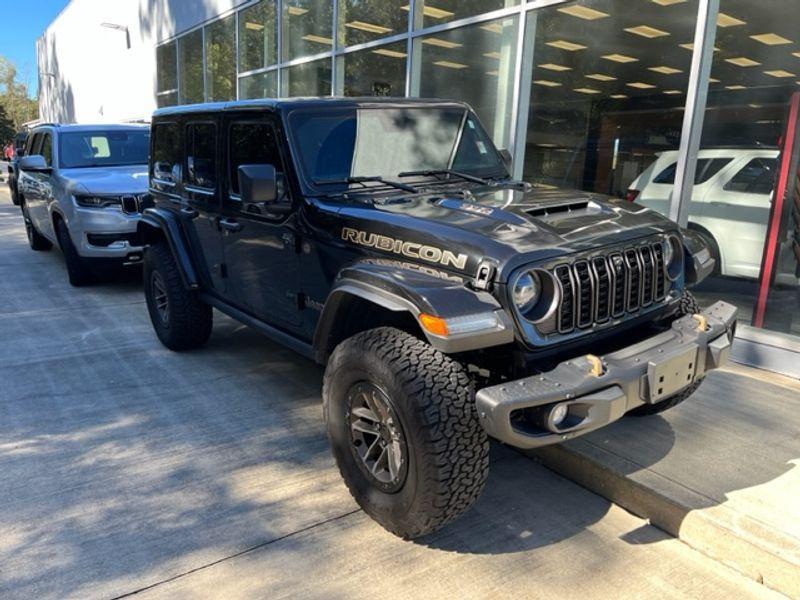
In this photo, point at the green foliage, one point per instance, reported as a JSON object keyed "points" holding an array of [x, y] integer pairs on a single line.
{"points": [[16, 107]]}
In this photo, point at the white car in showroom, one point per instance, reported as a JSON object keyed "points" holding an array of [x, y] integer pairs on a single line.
{"points": [[730, 202]]}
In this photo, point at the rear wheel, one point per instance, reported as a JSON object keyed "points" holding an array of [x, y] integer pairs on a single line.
{"points": [[78, 268], [404, 432], [36, 240], [181, 320]]}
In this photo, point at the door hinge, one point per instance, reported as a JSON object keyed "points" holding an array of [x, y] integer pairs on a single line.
{"points": [[484, 276]]}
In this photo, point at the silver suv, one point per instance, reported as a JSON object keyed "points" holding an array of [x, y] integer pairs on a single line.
{"points": [[83, 187]]}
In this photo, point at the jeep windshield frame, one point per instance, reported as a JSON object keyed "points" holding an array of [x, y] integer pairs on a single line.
{"points": [[356, 143]]}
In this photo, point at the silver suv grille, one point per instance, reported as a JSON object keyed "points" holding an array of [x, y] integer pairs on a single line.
{"points": [[612, 285]]}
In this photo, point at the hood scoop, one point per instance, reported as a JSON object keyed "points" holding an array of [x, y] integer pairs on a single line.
{"points": [[555, 209]]}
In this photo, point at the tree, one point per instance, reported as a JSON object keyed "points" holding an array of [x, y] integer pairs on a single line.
{"points": [[17, 105], [7, 129]]}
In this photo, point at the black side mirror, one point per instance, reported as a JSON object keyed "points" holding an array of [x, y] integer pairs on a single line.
{"points": [[507, 158], [258, 184], [34, 163]]}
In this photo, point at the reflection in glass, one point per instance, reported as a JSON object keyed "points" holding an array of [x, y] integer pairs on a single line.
{"points": [[308, 79], [190, 57], [169, 99], [261, 85], [366, 20], [306, 28], [258, 40], [221, 60], [374, 72], [167, 67], [474, 64], [436, 12]]}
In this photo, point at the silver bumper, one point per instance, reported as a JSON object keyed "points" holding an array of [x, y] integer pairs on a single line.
{"points": [[600, 392]]}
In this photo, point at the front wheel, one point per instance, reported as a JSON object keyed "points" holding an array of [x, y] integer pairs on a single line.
{"points": [[35, 239], [404, 432], [78, 268]]}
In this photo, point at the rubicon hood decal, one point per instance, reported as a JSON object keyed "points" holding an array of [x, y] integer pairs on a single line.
{"points": [[430, 254]]}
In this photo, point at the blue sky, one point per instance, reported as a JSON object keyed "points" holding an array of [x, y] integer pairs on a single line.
{"points": [[21, 23]]}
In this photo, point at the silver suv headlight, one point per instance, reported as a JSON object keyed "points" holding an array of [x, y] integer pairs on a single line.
{"points": [[97, 201]]}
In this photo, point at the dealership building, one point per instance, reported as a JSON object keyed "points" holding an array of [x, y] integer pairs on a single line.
{"points": [[688, 106]]}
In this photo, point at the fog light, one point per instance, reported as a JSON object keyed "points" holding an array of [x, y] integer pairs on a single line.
{"points": [[557, 415]]}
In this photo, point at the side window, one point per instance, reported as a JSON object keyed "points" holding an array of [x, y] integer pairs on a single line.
{"points": [[166, 153], [47, 149], [706, 169], [201, 155], [253, 144], [33, 144], [756, 177], [667, 175]]}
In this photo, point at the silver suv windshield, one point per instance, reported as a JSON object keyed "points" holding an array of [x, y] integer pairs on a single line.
{"points": [[344, 145], [82, 149]]}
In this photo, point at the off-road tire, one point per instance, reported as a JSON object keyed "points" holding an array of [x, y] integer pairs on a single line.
{"points": [[36, 240], [434, 399], [188, 320], [79, 270], [15, 197], [688, 306]]}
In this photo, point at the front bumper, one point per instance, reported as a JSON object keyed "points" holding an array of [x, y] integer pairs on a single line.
{"points": [[647, 372], [106, 233]]}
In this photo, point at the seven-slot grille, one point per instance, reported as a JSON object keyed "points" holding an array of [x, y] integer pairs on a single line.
{"points": [[612, 285]]}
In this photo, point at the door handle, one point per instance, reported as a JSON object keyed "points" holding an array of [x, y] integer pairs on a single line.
{"points": [[189, 212], [230, 225]]}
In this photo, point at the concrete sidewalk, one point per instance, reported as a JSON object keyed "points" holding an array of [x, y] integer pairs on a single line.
{"points": [[720, 471]]}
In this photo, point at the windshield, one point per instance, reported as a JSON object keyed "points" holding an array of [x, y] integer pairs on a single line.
{"points": [[104, 148], [337, 145]]}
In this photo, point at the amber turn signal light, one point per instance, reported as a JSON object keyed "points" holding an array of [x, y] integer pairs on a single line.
{"points": [[434, 325]]}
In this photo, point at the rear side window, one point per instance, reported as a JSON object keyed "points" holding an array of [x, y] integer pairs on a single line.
{"points": [[706, 169], [166, 153], [757, 177], [252, 144], [201, 155]]}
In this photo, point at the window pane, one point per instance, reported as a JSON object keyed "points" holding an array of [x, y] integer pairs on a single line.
{"points": [[436, 12], [104, 148], [170, 99], [306, 28], [474, 64], [308, 79], [201, 155], [166, 152], [252, 144], [167, 67], [262, 85], [221, 60], [258, 39], [374, 72], [366, 20], [607, 95], [47, 149], [190, 56]]}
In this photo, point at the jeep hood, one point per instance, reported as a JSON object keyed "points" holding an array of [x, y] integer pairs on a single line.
{"points": [[507, 226], [106, 180]]}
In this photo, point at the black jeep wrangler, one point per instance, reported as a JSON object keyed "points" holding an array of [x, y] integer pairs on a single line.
{"points": [[450, 303]]}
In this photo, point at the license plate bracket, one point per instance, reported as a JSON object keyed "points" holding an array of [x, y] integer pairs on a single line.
{"points": [[671, 374]]}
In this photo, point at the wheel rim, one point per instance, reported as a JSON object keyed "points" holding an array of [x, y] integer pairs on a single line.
{"points": [[376, 437], [160, 299]]}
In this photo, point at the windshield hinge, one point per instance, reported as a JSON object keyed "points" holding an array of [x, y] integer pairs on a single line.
{"points": [[484, 276]]}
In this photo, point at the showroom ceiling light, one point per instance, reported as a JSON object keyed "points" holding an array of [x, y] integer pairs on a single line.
{"points": [[743, 61], [492, 27], [253, 26], [493, 73], [668, 2], [555, 67], [619, 96], [368, 27], [620, 58], [780, 74], [771, 39], [690, 46], [601, 77], [450, 65], [546, 83], [583, 12], [439, 42], [641, 85], [433, 12], [565, 45], [584, 90], [647, 31], [389, 53], [495, 55], [724, 20], [319, 39], [665, 70], [713, 80], [672, 92], [735, 87], [296, 11], [797, 54]]}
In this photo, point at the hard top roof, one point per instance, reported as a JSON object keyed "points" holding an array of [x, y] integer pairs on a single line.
{"points": [[84, 127]]}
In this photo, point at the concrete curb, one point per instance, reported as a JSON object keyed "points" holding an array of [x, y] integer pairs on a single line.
{"points": [[732, 538]]}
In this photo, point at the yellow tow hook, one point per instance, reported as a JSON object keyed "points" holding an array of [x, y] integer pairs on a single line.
{"points": [[597, 365], [702, 322]]}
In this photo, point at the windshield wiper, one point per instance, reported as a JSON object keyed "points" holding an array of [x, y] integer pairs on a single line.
{"points": [[365, 179], [448, 172]]}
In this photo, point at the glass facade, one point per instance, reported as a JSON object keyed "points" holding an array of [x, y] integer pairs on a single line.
{"points": [[587, 94]]}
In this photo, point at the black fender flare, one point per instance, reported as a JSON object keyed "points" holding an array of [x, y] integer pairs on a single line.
{"points": [[415, 289], [699, 261], [156, 223]]}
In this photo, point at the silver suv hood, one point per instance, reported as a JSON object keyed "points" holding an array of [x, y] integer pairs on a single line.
{"points": [[106, 180]]}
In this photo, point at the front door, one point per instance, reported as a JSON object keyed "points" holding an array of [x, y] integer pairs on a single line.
{"points": [[260, 248]]}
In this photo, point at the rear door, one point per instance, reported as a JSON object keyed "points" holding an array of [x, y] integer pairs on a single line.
{"points": [[260, 247]]}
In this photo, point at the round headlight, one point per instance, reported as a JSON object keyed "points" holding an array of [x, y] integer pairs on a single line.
{"points": [[673, 256], [525, 292], [669, 252]]}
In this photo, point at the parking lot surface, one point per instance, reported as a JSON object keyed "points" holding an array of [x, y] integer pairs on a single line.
{"points": [[126, 469]]}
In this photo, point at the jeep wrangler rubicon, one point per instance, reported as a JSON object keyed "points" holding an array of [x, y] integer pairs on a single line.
{"points": [[385, 239]]}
